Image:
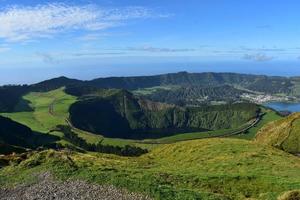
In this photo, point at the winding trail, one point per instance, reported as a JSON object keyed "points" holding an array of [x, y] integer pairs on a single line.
{"points": [[47, 187]]}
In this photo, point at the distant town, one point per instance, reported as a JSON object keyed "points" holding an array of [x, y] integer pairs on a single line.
{"points": [[264, 98]]}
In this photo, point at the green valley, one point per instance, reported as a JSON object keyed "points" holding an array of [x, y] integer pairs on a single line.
{"points": [[164, 150]]}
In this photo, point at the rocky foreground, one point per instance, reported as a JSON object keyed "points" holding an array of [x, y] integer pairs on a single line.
{"points": [[46, 188]]}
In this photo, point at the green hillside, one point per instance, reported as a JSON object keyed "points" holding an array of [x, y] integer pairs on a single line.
{"points": [[200, 169], [139, 118], [260, 83], [194, 95], [213, 169], [283, 134], [188, 87], [15, 137]]}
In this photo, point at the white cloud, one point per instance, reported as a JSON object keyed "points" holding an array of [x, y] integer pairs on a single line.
{"points": [[26, 23], [47, 58], [93, 36], [157, 49], [4, 49], [259, 57]]}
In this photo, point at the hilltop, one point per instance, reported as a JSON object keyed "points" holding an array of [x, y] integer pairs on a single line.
{"points": [[140, 118], [181, 88], [88, 134], [283, 134], [215, 169], [15, 137]]}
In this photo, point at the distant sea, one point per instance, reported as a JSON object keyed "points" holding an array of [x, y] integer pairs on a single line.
{"points": [[85, 71], [282, 106]]}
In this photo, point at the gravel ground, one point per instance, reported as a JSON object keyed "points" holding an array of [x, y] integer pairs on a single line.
{"points": [[48, 189]]}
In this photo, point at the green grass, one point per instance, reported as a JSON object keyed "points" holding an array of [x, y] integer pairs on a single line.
{"points": [[41, 120], [269, 116], [200, 169], [195, 135], [283, 134]]}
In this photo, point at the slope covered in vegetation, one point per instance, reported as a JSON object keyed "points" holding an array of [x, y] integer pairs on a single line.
{"points": [[138, 118], [260, 83], [200, 169], [11, 96], [196, 95], [283, 134], [15, 136]]}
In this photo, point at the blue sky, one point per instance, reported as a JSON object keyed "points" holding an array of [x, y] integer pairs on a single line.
{"points": [[91, 38]]}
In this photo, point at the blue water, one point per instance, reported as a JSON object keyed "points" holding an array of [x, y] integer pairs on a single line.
{"points": [[282, 106]]}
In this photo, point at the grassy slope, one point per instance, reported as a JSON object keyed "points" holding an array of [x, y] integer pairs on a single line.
{"points": [[269, 116], [283, 134], [210, 168], [42, 121]]}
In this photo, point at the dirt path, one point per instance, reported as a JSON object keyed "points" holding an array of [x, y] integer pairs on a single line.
{"points": [[48, 188], [51, 107]]}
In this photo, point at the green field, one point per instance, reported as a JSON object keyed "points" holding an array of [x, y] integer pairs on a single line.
{"points": [[40, 119], [209, 169], [269, 116], [200, 169], [43, 120]]}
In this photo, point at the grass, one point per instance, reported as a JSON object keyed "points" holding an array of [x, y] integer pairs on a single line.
{"points": [[269, 116], [195, 135], [283, 134], [41, 120], [198, 169]]}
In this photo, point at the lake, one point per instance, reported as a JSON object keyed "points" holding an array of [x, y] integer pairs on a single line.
{"points": [[283, 106]]}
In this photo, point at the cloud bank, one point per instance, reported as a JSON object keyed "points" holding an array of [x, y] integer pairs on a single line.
{"points": [[259, 57], [158, 50], [31, 22]]}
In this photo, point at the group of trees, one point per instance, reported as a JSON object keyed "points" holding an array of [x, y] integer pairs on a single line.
{"points": [[196, 95], [127, 150], [137, 121], [11, 98]]}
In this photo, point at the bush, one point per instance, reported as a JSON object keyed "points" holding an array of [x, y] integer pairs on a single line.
{"points": [[127, 150]]}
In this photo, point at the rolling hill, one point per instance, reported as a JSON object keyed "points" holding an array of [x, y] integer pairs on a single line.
{"points": [[210, 169], [213, 169], [283, 134], [141, 118], [17, 137], [258, 83], [196, 95], [194, 85]]}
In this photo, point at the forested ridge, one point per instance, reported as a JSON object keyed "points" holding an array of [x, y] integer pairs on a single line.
{"points": [[142, 118], [196, 95], [194, 83]]}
